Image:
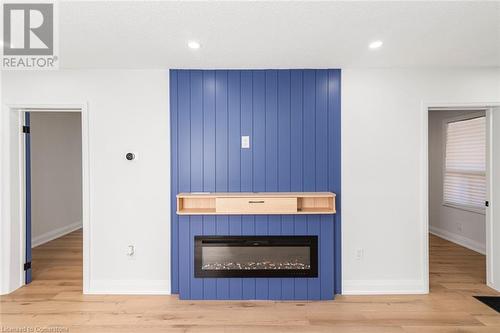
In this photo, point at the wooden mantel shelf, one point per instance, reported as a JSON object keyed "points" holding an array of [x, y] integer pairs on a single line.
{"points": [[255, 203]]}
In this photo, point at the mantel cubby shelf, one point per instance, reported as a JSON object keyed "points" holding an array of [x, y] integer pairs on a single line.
{"points": [[255, 203]]}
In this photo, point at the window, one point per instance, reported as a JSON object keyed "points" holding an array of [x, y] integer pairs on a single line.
{"points": [[465, 163]]}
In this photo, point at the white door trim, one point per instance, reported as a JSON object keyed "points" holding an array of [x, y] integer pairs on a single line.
{"points": [[424, 185], [492, 244], [16, 246]]}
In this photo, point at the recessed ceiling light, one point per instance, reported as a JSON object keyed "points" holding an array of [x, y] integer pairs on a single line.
{"points": [[192, 44], [375, 44]]}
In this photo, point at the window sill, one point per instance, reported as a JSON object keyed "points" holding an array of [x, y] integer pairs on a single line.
{"points": [[476, 210]]}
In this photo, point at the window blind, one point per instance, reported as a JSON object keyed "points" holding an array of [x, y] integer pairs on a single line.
{"points": [[465, 163]]}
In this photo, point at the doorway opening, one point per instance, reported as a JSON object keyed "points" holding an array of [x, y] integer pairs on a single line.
{"points": [[15, 189], [459, 200], [53, 196]]}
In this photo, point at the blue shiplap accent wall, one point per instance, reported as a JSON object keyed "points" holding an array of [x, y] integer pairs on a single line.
{"points": [[293, 120]]}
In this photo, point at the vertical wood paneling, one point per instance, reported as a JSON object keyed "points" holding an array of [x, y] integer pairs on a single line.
{"points": [[259, 136], [246, 125], [284, 131], [174, 183], [297, 163], [309, 88], [323, 225], [285, 163], [293, 119], [221, 161], [184, 160], [247, 163], [209, 285], [321, 131], [196, 118], [234, 121], [234, 130], [309, 130], [334, 165], [272, 133]]}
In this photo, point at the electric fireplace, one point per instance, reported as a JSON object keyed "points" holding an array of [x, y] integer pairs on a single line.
{"points": [[256, 256]]}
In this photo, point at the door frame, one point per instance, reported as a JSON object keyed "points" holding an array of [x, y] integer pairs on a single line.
{"points": [[436, 107], [18, 189], [28, 272]]}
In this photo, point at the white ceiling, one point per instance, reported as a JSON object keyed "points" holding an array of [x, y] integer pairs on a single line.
{"points": [[278, 34]]}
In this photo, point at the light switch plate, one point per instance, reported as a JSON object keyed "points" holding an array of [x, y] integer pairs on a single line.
{"points": [[245, 142]]}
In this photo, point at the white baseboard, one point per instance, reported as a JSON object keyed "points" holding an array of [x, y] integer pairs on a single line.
{"points": [[383, 287], [53, 234], [129, 287], [458, 239]]}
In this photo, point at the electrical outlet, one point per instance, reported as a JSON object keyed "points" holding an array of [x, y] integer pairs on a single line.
{"points": [[360, 253], [459, 227]]}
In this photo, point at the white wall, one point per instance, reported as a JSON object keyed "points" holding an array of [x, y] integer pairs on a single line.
{"points": [[383, 146], [56, 175], [129, 201], [4, 235], [382, 177], [463, 227]]}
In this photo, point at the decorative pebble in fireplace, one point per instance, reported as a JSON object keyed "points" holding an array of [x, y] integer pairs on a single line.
{"points": [[265, 264], [256, 256]]}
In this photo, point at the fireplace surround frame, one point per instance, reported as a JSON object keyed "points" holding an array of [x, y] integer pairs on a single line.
{"points": [[255, 241]]}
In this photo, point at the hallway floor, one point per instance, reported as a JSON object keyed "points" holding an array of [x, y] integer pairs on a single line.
{"points": [[54, 299]]}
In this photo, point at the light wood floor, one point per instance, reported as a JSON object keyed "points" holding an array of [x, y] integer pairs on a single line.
{"points": [[55, 299]]}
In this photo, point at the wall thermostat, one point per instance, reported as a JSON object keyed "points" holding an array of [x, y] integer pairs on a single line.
{"points": [[130, 156]]}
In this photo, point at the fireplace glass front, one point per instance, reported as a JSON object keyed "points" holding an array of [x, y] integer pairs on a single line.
{"points": [[256, 256]]}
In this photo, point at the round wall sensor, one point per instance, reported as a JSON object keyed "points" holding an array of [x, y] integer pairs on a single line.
{"points": [[130, 156]]}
